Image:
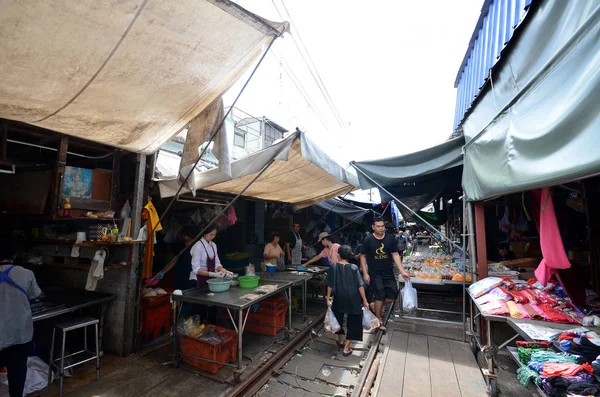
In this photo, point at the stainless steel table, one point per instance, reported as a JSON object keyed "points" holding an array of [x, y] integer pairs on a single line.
{"points": [[66, 300], [299, 278], [230, 300]]}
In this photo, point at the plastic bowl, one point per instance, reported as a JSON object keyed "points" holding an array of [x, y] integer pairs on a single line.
{"points": [[249, 281], [271, 268], [218, 285]]}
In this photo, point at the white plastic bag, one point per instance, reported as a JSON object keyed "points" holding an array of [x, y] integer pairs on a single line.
{"points": [[331, 323], [409, 297], [369, 321]]}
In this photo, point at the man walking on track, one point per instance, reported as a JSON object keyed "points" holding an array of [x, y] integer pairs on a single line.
{"points": [[378, 256]]}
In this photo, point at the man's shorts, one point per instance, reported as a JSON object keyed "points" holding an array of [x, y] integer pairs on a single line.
{"points": [[384, 287]]}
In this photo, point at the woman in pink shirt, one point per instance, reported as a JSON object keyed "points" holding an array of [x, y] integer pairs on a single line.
{"points": [[330, 251]]}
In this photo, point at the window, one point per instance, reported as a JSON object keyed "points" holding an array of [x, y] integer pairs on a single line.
{"points": [[239, 138], [271, 135]]}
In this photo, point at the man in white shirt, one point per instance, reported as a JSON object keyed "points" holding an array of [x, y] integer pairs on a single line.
{"points": [[17, 287]]}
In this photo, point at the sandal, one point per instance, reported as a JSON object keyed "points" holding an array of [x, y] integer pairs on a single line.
{"points": [[347, 354], [340, 344]]}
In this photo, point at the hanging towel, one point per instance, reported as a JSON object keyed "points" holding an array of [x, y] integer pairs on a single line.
{"points": [[96, 271], [149, 248], [153, 216], [553, 251]]}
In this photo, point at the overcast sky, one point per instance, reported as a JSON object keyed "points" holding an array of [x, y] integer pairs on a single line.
{"points": [[389, 67]]}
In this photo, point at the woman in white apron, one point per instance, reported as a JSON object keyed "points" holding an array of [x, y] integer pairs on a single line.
{"points": [[294, 246]]}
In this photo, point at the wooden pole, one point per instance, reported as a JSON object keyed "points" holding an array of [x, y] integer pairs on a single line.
{"points": [[482, 264], [59, 176], [131, 305]]}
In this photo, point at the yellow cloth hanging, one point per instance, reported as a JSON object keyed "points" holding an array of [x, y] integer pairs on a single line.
{"points": [[153, 216], [514, 309]]}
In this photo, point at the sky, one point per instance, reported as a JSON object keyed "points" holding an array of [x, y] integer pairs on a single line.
{"points": [[388, 66]]}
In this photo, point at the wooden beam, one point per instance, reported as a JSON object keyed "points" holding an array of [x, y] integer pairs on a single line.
{"points": [[482, 263], [59, 175], [3, 137], [131, 306], [116, 179]]}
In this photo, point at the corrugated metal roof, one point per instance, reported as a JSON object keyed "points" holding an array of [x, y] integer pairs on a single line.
{"points": [[493, 31]]}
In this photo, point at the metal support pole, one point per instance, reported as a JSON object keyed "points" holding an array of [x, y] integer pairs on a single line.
{"points": [[464, 258]]}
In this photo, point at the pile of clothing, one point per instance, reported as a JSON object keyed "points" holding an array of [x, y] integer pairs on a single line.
{"points": [[585, 344], [525, 299], [559, 374]]}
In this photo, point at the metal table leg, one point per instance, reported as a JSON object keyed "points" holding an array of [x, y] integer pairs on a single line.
{"points": [[490, 351], [290, 311], [240, 337], [304, 288], [102, 310], [175, 360]]}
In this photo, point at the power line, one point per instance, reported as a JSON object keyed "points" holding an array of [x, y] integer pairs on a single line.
{"points": [[288, 71], [317, 78], [313, 64]]}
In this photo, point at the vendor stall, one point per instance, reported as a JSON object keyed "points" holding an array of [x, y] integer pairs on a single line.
{"points": [[294, 277], [237, 299]]}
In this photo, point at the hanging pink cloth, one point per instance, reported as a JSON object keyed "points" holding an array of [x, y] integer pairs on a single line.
{"points": [[553, 250], [231, 216]]}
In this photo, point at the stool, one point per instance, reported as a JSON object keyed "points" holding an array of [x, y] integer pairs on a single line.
{"points": [[85, 354]]}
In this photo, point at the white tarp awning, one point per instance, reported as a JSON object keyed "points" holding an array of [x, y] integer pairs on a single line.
{"points": [[301, 175], [129, 74]]}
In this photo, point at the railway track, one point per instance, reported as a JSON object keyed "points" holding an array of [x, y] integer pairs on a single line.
{"points": [[254, 384]]}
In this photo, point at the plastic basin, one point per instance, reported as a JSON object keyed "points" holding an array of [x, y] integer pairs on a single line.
{"points": [[217, 285], [248, 281], [271, 268]]}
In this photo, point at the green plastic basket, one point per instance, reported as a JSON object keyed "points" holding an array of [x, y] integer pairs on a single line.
{"points": [[249, 281]]}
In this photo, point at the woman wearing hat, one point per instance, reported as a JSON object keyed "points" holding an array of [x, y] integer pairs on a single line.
{"points": [[330, 251]]}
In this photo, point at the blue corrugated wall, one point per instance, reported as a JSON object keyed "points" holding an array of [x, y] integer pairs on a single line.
{"points": [[493, 31]]}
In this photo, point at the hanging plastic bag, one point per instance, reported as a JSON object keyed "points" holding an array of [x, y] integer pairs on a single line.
{"points": [[504, 223], [331, 323], [409, 297], [369, 321]]}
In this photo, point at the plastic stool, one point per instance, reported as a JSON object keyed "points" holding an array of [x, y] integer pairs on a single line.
{"points": [[86, 355]]}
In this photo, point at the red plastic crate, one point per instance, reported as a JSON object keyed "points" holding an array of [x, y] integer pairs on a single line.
{"points": [[266, 324], [224, 351], [157, 317]]}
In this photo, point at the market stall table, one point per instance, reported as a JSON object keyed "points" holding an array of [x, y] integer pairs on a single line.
{"points": [[230, 300], [59, 301], [296, 278], [524, 328]]}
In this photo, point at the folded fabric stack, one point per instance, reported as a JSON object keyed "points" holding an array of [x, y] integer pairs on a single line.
{"points": [[562, 387], [559, 374], [585, 344], [596, 366], [528, 300]]}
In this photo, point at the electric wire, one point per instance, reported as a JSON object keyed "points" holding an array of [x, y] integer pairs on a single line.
{"points": [[317, 77]]}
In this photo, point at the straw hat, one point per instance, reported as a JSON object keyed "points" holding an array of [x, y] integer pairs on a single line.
{"points": [[322, 236]]}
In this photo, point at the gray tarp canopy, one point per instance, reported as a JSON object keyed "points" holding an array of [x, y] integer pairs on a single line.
{"points": [[130, 73], [302, 175], [539, 124], [416, 178], [347, 210]]}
